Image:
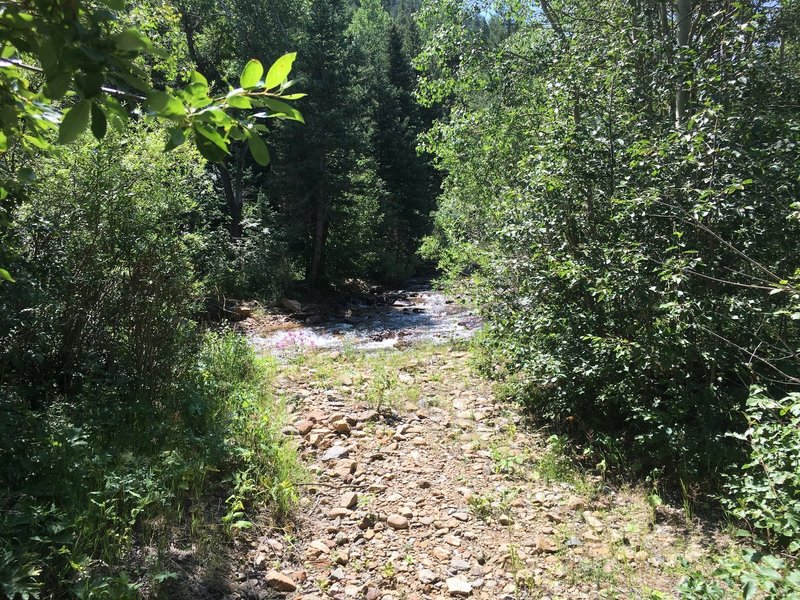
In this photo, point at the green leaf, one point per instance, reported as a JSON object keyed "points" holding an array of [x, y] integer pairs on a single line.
{"points": [[198, 77], [165, 105], [57, 86], [251, 74], [131, 40], [5, 275], [36, 141], [242, 525], [239, 102], [177, 137], [258, 149], [279, 71], [99, 122], [115, 4], [749, 588], [294, 96], [210, 143], [283, 110], [207, 148], [75, 122]]}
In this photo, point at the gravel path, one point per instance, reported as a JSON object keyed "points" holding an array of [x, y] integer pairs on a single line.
{"points": [[424, 486]]}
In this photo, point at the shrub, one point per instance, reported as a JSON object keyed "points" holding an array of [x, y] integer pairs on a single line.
{"points": [[764, 493]]}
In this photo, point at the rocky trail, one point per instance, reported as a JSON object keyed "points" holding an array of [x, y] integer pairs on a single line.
{"points": [[424, 486]]}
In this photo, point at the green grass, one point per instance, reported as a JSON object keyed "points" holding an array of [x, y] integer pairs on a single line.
{"points": [[104, 473]]}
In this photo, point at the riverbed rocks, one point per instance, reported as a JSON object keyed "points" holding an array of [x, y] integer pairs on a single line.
{"points": [[414, 501]]}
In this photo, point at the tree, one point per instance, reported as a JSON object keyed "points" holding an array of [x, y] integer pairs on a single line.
{"points": [[83, 56], [623, 205]]}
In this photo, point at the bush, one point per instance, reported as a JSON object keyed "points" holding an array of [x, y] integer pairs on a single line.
{"points": [[104, 272], [78, 496], [635, 276], [122, 423], [764, 493]]}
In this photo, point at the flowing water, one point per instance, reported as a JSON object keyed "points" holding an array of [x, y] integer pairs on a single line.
{"points": [[413, 315]]}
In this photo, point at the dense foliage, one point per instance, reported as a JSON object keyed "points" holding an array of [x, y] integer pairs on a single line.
{"points": [[620, 193], [621, 190], [129, 426]]}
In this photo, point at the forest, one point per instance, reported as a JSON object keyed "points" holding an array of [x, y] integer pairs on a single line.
{"points": [[613, 186]]}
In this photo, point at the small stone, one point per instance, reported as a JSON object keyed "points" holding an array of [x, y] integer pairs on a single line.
{"points": [[335, 453], [304, 426], [458, 587], [461, 516], [592, 521], [397, 522], [504, 520], [576, 503], [642, 555], [341, 426], [458, 564], [427, 576], [452, 540], [279, 581], [441, 553], [546, 545], [349, 500], [366, 522], [317, 548], [573, 542]]}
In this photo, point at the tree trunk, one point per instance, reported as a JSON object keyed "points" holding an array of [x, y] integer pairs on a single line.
{"points": [[232, 187], [320, 233], [684, 29]]}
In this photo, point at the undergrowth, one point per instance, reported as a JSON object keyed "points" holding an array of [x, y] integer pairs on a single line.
{"points": [[94, 478]]}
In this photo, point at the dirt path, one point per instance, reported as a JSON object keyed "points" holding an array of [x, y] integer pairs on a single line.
{"points": [[424, 486]]}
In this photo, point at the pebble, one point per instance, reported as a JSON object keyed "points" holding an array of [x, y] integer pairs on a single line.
{"points": [[397, 522], [427, 576], [336, 453], [458, 587], [279, 581], [349, 500], [304, 426], [341, 426]]}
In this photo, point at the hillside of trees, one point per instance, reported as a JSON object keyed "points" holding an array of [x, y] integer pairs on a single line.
{"points": [[615, 185]]}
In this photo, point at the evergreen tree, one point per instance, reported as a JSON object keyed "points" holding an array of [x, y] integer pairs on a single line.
{"points": [[320, 162]]}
